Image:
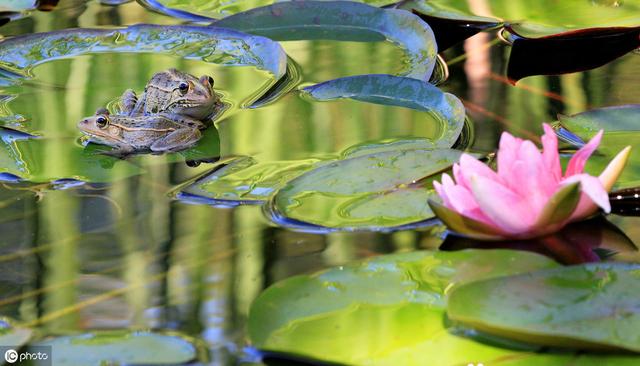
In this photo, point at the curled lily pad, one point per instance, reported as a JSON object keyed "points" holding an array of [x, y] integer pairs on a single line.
{"points": [[392, 90], [242, 180], [122, 347], [343, 21], [379, 191], [387, 310], [620, 130], [211, 44], [586, 306]]}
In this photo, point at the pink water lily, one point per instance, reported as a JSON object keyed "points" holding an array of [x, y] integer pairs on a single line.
{"points": [[528, 196]]}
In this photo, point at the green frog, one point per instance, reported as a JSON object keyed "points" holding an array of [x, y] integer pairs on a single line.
{"points": [[176, 94], [128, 134]]}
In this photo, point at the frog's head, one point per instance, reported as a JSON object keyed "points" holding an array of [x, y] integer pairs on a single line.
{"points": [[191, 96], [101, 129]]}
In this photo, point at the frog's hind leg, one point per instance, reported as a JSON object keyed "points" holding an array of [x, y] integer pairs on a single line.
{"points": [[177, 140]]}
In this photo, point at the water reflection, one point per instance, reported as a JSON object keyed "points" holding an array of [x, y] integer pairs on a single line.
{"points": [[124, 254]]}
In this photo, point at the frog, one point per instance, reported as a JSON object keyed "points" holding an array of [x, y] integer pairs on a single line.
{"points": [[129, 134], [176, 94]]}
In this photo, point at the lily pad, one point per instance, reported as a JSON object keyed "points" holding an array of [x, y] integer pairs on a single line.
{"points": [[343, 21], [588, 306], [217, 45], [537, 18], [242, 180], [378, 191], [387, 310], [446, 108], [122, 347], [12, 334], [22, 157], [620, 125]]}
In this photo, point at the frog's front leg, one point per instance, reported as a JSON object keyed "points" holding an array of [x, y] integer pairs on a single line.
{"points": [[128, 101], [177, 140], [137, 109]]}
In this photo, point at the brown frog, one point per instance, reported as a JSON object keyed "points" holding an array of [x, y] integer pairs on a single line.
{"points": [[128, 134], [176, 94]]}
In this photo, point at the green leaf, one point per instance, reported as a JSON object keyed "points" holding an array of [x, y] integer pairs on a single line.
{"points": [[121, 347], [343, 21], [560, 206], [620, 130], [388, 310], [447, 110], [587, 306], [373, 192], [24, 157], [210, 44], [537, 18], [242, 180]]}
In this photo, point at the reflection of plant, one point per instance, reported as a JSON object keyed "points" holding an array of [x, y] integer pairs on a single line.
{"points": [[528, 196]]}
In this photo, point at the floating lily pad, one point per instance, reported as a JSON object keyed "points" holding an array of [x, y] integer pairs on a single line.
{"points": [[399, 91], [385, 311], [343, 21], [22, 157], [223, 46], [537, 18], [12, 334], [120, 347], [242, 180], [620, 125], [369, 192], [587, 306]]}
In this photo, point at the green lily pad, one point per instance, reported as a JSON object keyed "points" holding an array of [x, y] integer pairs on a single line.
{"points": [[343, 21], [377, 191], [120, 348], [537, 18], [445, 108], [206, 10], [387, 310], [12, 334], [620, 125], [242, 180], [223, 46], [22, 158], [588, 306]]}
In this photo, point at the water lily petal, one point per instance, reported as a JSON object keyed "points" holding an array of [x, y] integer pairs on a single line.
{"points": [[530, 178], [593, 195], [559, 208], [579, 159], [465, 225], [550, 152], [470, 166], [506, 209], [611, 173], [507, 154]]}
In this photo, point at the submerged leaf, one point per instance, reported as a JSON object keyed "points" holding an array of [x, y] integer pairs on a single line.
{"points": [[343, 21], [399, 91], [587, 306]]}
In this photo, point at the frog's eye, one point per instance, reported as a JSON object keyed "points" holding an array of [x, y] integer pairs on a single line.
{"points": [[102, 122], [210, 79], [183, 86]]}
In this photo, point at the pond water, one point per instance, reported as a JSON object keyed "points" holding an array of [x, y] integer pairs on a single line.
{"points": [[127, 255]]}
